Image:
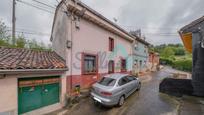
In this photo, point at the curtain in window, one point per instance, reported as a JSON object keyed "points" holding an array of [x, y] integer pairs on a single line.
{"points": [[89, 64]]}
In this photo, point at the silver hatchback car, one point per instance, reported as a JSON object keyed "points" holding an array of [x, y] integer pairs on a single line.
{"points": [[113, 89]]}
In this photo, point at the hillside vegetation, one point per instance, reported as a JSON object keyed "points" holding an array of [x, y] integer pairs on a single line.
{"points": [[174, 55], [20, 41]]}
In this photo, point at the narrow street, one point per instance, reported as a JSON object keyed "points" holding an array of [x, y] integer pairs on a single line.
{"points": [[148, 101], [75, 57]]}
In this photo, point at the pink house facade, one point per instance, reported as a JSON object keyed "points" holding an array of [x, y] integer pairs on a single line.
{"points": [[92, 45], [154, 61]]}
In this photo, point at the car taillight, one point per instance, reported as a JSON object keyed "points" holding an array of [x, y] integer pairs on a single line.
{"points": [[106, 93]]}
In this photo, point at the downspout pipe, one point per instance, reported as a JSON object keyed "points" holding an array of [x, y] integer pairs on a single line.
{"points": [[72, 19]]}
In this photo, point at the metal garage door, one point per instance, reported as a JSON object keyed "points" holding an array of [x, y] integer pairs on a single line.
{"points": [[34, 93]]}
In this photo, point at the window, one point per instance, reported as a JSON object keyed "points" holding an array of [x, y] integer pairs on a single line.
{"points": [[123, 81], [89, 65], [107, 81], [136, 62], [111, 44], [123, 65], [140, 62], [131, 78]]}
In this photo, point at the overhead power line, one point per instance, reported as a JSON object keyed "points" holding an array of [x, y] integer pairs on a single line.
{"points": [[35, 6], [43, 8], [145, 33], [146, 27], [31, 32], [57, 1], [44, 4], [156, 34]]}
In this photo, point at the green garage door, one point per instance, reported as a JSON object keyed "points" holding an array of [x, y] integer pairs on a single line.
{"points": [[51, 94], [36, 93]]}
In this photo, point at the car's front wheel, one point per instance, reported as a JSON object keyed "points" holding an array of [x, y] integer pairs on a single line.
{"points": [[139, 86], [121, 101]]}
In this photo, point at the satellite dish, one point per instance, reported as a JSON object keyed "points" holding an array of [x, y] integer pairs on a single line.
{"points": [[115, 19]]}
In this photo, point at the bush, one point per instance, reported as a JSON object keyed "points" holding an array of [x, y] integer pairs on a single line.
{"points": [[184, 65], [179, 52], [166, 61]]}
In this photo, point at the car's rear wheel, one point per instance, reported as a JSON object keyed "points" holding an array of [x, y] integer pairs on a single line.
{"points": [[121, 101]]}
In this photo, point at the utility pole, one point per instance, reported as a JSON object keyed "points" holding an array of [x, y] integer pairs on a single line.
{"points": [[14, 22]]}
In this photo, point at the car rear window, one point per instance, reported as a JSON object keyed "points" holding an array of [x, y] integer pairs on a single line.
{"points": [[107, 81]]}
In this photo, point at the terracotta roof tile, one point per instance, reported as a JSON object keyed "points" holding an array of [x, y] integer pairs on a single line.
{"points": [[17, 58]]}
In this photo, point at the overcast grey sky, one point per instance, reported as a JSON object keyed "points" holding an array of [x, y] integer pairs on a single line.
{"points": [[158, 19]]}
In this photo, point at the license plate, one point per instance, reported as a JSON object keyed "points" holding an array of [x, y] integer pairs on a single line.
{"points": [[97, 99]]}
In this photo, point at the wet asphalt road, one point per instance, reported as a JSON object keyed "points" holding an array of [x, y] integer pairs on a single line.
{"points": [[147, 101]]}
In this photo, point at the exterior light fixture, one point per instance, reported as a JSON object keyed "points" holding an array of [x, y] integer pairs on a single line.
{"points": [[136, 44], [77, 22], [69, 44]]}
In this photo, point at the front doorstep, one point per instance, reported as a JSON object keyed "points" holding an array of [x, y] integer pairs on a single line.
{"points": [[44, 110]]}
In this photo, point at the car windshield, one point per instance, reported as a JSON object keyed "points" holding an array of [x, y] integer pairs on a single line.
{"points": [[107, 81]]}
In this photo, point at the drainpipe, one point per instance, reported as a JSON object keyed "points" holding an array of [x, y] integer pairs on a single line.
{"points": [[71, 51]]}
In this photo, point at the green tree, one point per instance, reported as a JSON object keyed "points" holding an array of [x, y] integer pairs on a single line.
{"points": [[42, 46], [179, 51], [32, 44], [49, 48], [167, 53], [21, 41], [4, 36]]}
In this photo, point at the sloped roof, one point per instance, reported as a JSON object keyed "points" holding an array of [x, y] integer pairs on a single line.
{"points": [[101, 17], [193, 23], [186, 33], [26, 59]]}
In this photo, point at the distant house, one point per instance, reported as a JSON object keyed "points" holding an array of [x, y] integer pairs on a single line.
{"points": [[154, 61], [193, 38], [140, 53], [91, 44], [31, 81]]}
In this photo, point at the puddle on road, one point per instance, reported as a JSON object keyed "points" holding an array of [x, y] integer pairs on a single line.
{"points": [[174, 101]]}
